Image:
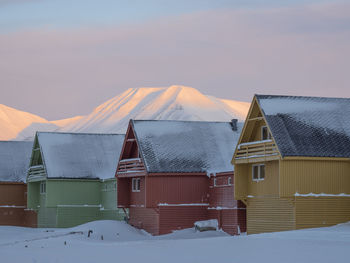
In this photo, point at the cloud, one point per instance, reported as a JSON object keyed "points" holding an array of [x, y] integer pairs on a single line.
{"points": [[302, 50]]}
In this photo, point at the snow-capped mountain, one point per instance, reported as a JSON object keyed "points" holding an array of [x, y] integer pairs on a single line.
{"points": [[15, 123], [172, 103]]}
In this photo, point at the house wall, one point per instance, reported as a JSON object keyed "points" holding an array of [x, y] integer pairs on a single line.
{"points": [[221, 194], [267, 187], [123, 192], [69, 203], [145, 218], [12, 194], [33, 195], [314, 176], [137, 198], [270, 214], [175, 189], [321, 211], [241, 181], [180, 217], [72, 192]]}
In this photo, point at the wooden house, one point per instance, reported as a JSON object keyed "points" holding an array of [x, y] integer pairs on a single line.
{"points": [[292, 163], [71, 178], [14, 162], [173, 173]]}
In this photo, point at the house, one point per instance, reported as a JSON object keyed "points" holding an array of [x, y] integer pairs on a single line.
{"points": [[71, 178], [173, 173], [292, 163], [14, 162]]}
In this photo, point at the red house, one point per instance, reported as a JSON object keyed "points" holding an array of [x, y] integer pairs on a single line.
{"points": [[173, 173]]}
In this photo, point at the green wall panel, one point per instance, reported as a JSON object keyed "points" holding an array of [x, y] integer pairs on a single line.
{"points": [[33, 195], [72, 192]]}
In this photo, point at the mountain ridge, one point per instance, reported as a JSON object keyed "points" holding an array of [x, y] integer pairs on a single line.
{"points": [[155, 103]]}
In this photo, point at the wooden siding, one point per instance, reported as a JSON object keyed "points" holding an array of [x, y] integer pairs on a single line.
{"points": [[145, 218], [138, 198], [321, 211], [314, 176], [270, 215], [180, 217], [222, 194], [232, 221], [241, 181], [13, 194], [176, 190], [267, 187], [123, 192]]}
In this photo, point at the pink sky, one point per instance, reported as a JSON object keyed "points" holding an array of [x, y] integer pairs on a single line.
{"points": [[228, 53]]}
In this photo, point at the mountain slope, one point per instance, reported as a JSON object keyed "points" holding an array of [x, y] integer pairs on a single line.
{"points": [[173, 103], [14, 123]]}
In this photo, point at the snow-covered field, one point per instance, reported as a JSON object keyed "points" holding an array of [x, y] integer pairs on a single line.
{"points": [[122, 243]]}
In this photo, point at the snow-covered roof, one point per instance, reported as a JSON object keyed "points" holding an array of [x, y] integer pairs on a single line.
{"points": [[308, 126], [14, 160], [186, 146], [80, 155]]}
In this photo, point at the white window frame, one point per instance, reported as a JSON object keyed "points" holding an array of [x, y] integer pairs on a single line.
{"points": [[214, 182], [262, 133], [136, 184], [42, 188], [229, 181], [259, 172]]}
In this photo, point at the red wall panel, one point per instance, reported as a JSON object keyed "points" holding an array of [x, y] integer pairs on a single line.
{"points": [[137, 198], [145, 218], [123, 192], [174, 189], [180, 217]]}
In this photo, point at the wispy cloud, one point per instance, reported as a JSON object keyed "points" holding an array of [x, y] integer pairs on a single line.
{"points": [[301, 50]]}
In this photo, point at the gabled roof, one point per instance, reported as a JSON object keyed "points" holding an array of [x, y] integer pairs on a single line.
{"points": [[186, 146], [80, 155], [308, 126], [14, 160]]}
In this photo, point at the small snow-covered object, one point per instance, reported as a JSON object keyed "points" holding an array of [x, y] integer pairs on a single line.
{"points": [[206, 225]]}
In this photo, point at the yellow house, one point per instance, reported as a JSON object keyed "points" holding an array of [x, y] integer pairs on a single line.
{"points": [[292, 163]]}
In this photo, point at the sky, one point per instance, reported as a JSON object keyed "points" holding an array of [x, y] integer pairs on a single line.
{"points": [[61, 58]]}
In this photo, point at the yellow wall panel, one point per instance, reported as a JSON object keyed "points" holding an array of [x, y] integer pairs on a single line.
{"points": [[314, 176]]}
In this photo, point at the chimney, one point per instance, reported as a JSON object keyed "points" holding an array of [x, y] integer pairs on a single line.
{"points": [[234, 124]]}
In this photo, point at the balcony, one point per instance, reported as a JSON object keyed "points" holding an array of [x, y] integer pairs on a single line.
{"points": [[36, 172], [261, 150], [131, 167]]}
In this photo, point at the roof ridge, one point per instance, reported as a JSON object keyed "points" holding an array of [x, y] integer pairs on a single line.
{"points": [[296, 96], [80, 133]]}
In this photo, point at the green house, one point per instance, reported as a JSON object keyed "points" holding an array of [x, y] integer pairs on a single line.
{"points": [[71, 178]]}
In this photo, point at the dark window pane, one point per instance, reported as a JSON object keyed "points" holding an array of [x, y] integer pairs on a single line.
{"points": [[262, 171], [255, 172]]}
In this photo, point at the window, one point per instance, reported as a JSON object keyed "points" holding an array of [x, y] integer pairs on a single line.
{"points": [[136, 184], [258, 172], [265, 134], [229, 181], [214, 182], [43, 188]]}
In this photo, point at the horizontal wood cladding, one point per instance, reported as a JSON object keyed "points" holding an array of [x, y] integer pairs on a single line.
{"points": [[232, 221], [17, 216], [314, 176], [145, 218], [180, 217], [13, 194], [270, 215], [176, 190], [321, 211]]}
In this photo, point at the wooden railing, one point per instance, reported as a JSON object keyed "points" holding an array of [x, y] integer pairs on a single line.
{"points": [[131, 166], [36, 171], [256, 149]]}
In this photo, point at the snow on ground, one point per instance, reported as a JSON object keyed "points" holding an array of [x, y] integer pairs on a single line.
{"points": [[123, 243]]}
